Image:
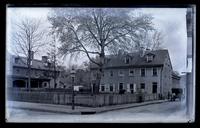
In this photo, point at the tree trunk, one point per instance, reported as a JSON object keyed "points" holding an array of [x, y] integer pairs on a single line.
{"points": [[100, 71]]}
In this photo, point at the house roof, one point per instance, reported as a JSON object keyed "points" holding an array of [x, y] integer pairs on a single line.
{"points": [[36, 64], [135, 59], [176, 75]]}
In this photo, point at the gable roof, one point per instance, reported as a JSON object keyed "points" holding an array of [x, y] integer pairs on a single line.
{"points": [[115, 61], [36, 64]]}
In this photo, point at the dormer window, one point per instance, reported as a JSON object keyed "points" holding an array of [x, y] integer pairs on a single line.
{"points": [[149, 58], [17, 60], [127, 60]]}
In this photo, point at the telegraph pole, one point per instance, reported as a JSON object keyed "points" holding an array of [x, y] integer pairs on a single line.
{"points": [[73, 79], [29, 65]]}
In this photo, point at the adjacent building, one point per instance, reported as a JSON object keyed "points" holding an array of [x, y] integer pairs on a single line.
{"points": [[41, 73], [147, 71]]}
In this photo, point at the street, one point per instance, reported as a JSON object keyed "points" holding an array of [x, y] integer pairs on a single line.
{"points": [[163, 112]]}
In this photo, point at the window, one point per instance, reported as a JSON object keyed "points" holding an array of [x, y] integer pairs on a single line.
{"points": [[16, 60], [127, 60], [111, 88], [131, 88], [154, 87], [121, 86], [17, 70], [142, 72], [131, 72], [149, 58], [45, 85], [121, 73], [111, 73], [102, 88], [142, 85], [155, 72]]}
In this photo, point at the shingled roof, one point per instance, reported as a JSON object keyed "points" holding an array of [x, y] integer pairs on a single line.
{"points": [[36, 64], [115, 61]]}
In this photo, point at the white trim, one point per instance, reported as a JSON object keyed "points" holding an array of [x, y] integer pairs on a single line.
{"points": [[119, 73], [149, 58], [133, 72], [122, 85], [111, 84], [134, 87]]}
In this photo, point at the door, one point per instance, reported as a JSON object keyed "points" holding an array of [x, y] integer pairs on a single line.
{"points": [[154, 90]]}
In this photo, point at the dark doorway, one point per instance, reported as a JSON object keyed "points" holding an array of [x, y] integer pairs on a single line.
{"points": [[154, 90], [34, 84], [19, 83]]}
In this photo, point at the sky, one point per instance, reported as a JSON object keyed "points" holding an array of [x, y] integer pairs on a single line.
{"points": [[170, 21]]}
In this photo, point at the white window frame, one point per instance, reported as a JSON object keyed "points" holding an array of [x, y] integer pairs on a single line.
{"points": [[119, 85], [134, 87], [130, 73], [149, 58], [112, 87], [119, 74], [104, 87]]}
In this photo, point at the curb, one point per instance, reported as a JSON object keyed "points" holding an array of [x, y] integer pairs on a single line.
{"points": [[112, 109]]}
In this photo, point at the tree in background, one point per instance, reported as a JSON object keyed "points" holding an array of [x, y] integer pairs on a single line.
{"points": [[53, 57], [151, 40], [28, 39], [97, 32]]}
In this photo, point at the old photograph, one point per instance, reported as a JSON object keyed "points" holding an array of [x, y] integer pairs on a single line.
{"points": [[100, 65]]}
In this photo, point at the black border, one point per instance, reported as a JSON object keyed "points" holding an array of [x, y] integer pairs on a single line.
{"points": [[90, 3]]}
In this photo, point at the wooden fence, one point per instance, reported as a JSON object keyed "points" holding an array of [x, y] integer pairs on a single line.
{"points": [[80, 99]]}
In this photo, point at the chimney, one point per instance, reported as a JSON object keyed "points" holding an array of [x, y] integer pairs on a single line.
{"points": [[147, 49], [120, 52], [44, 59], [141, 51]]}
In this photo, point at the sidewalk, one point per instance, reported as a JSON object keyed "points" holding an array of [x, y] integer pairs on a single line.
{"points": [[78, 109]]}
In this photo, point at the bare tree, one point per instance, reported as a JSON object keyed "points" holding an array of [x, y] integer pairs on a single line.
{"points": [[27, 39], [53, 55], [157, 40], [151, 40], [97, 32]]}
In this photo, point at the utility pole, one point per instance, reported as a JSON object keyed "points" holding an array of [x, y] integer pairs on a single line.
{"points": [[29, 64], [73, 79], [54, 65]]}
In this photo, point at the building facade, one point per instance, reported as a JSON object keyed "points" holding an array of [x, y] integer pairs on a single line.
{"points": [[41, 73], [149, 72]]}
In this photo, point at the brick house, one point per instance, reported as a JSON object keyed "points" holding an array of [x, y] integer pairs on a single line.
{"points": [[17, 73], [145, 71]]}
